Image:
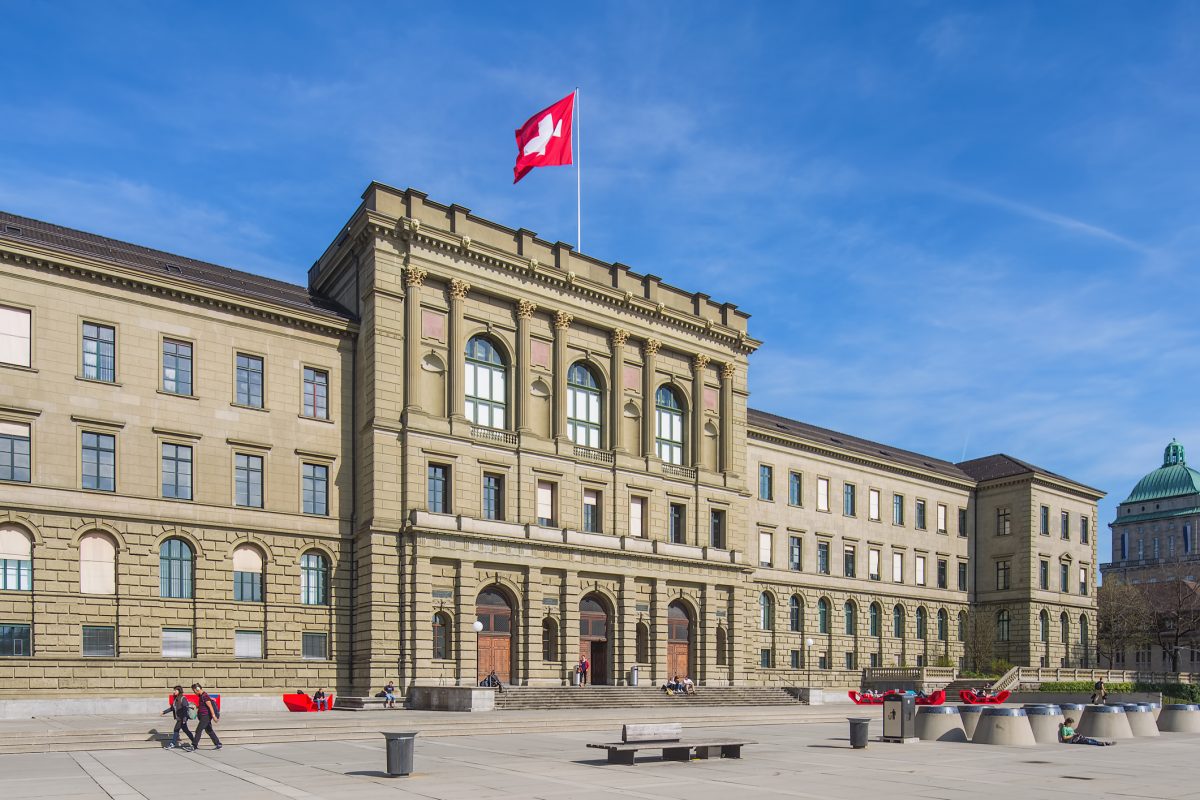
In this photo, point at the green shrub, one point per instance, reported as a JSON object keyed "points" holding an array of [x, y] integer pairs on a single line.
{"points": [[1083, 686], [1171, 692]]}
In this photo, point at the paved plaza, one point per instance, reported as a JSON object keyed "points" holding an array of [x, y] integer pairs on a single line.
{"points": [[808, 760]]}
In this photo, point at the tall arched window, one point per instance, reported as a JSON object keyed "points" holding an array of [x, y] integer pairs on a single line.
{"points": [[1002, 623], [873, 620], [898, 622], [314, 579], [247, 574], [921, 623], [16, 559], [583, 406], [1083, 635], [766, 608], [669, 433], [822, 616], [722, 647], [175, 569], [1064, 625], [962, 626], [549, 639], [1044, 626], [642, 644], [796, 614], [97, 564], [486, 384], [943, 625], [441, 635], [851, 618]]}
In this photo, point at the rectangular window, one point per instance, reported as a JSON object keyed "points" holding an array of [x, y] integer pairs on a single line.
{"points": [[897, 509], [920, 515], [1084, 531], [315, 489], [247, 644], [1083, 581], [176, 367], [962, 522], [316, 393], [591, 511], [764, 549], [764, 658], [1002, 572], [437, 488], [1065, 525], [313, 646], [493, 496], [248, 480], [99, 457], [176, 471], [962, 577], [823, 558], [16, 572], [176, 642], [873, 558], [1125, 545], [849, 660], [637, 516], [795, 659], [249, 381], [873, 504], [716, 529], [14, 641], [822, 494], [1044, 521], [1044, 575], [897, 568], [941, 518], [15, 460], [99, 641], [849, 561], [1064, 579], [677, 519], [247, 587], [1003, 521], [920, 570], [849, 500], [766, 482], [99, 352], [822, 661], [795, 553], [15, 336], [795, 489], [942, 578], [546, 506]]}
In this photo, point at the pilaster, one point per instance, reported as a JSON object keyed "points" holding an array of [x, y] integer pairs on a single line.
{"points": [[562, 324], [525, 309], [414, 277], [616, 393], [699, 364], [650, 349], [728, 370], [456, 293]]}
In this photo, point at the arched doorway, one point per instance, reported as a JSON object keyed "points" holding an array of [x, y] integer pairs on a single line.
{"points": [[494, 647], [679, 640], [593, 637]]}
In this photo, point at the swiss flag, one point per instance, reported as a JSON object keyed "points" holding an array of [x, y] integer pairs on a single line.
{"points": [[545, 138]]}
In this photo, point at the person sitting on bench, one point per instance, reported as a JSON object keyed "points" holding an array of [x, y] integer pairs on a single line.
{"points": [[320, 701]]}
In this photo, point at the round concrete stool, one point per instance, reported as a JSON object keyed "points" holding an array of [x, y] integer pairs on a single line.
{"points": [[940, 724], [1008, 726], [1044, 722], [1179, 718], [1076, 707], [970, 718], [1155, 708], [1141, 719], [1104, 722]]}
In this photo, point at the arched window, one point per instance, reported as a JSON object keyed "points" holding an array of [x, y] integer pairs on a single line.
{"points": [[441, 635], [943, 625], [962, 626], [722, 647], [669, 433], [486, 384], [766, 608], [642, 644], [97, 564], [1083, 632], [921, 623], [1064, 625], [873, 620], [796, 613], [822, 616], [1044, 626], [583, 406], [898, 622], [1002, 623], [16, 559], [314, 579], [247, 574], [549, 639], [851, 621], [175, 569]]}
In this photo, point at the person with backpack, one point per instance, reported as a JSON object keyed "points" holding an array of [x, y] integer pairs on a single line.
{"points": [[1099, 693], [208, 713], [183, 711]]}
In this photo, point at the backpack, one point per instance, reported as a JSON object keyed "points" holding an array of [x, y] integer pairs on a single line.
{"points": [[192, 711], [1099, 685]]}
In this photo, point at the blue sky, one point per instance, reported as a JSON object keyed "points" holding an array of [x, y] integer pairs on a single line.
{"points": [[960, 228]]}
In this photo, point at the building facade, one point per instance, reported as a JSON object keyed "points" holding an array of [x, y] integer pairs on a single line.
{"points": [[460, 449]]}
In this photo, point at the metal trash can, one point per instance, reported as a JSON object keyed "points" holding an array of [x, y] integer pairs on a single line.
{"points": [[899, 718], [858, 731], [633, 675], [575, 678], [400, 747]]}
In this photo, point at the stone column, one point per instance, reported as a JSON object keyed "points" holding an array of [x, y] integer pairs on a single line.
{"points": [[617, 389], [525, 310], [726, 417], [458, 359], [413, 278], [467, 644], [650, 350], [571, 595], [562, 323], [699, 364]]}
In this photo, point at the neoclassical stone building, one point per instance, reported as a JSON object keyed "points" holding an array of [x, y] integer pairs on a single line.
{"points": [[458, 425]]}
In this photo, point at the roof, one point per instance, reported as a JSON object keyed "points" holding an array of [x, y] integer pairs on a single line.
{"points": [[1000, 465], [1173, 479], [773, 422], [164, 265]]}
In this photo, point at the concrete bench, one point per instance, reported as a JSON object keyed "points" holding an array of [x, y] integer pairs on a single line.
{"points": [[668, 738], [363, 703]]}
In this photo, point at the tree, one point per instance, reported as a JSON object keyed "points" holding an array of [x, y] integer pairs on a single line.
{"points": [[1123, 619], [1174, 601], [979, 646]]}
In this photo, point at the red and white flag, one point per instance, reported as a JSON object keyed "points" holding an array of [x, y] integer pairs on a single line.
{"points": [[545, 138]]}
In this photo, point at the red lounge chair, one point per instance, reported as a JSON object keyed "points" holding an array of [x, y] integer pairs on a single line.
{"points": [[972, 699], [303, 702], [935, 699], [863, 700]]}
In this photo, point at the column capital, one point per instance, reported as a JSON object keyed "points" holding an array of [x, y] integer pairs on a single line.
{"points": [[525, 309], [728, 369], [562, 320], [699, 362], [651, 346], [415, 276], [459, 288], [618, 337]]}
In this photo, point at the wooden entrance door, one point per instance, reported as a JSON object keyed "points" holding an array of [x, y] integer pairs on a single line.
{"points": [[599, 659], [494, 643], [679, 641], [495, 653], [593, 638]]}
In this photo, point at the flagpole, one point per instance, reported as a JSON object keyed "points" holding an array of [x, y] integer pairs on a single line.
{"points": [[578, 179]]}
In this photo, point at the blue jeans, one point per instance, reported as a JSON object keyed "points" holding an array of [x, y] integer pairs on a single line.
{"points": [[181, 725], [322, 704]]}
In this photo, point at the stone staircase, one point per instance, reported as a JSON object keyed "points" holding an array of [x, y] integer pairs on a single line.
{"points": [[614, 697], [960, 684]]}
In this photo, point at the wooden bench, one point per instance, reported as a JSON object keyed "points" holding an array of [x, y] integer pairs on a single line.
{"points": [[667, 737]]}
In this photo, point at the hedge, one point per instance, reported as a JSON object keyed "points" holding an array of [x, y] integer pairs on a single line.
{"points": [[1184, 692]]}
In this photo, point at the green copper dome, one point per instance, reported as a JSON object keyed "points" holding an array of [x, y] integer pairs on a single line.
{"points": [[1172, 479]]}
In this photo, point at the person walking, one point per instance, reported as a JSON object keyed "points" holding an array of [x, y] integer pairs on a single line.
{"points": [[180, 708], [1099, 692], [208, 715]]}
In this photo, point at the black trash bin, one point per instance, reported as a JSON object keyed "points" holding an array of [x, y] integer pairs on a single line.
{"points": [[400, 747], [858, 731]]}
